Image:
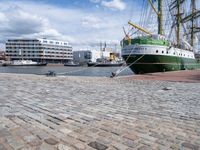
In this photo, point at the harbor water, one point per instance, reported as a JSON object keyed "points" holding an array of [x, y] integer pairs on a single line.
{"points": [[66, 71]]}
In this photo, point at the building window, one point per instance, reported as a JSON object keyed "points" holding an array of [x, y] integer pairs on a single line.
{"points": [[162, 51], [44, 41], [57, 42], [156, 51]]}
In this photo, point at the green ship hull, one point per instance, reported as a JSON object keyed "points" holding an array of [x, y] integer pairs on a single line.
{"points": [[159, 63], [149, 52]]}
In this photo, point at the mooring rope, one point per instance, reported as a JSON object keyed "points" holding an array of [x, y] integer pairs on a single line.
{"points": [[74, 71], [119, 71]]}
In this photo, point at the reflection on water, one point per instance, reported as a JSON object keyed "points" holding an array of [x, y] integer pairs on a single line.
{"points": [[63, 70]]}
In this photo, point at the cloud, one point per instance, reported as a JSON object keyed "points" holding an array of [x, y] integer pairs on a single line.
{"points": [[114, 4], [91, 21], [80, 26], [17, 22]]}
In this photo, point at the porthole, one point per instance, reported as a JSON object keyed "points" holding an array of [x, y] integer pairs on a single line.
{"points": [[156, 51], [162, 51]]}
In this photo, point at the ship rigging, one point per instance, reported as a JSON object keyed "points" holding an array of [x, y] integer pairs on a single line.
{"points": [[169, 49]]}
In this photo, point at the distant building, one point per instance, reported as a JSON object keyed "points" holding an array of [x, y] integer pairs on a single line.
{"points": [[40, 50], [85, 56], [2, 55]]}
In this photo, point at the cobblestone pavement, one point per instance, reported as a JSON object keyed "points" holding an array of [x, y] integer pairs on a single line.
{"points": [[68, 113]]}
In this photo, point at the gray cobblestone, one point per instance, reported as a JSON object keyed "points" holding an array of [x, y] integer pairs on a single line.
{"points": [[2, 147], [116, 113]]}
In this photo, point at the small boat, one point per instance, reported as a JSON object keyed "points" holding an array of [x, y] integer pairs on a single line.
{"points": [[105, 64], [24, 63], [71, 64]]}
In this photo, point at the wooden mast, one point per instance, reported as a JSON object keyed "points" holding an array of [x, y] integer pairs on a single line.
{"points": [[193, 23], [178, 23], [159, 14], [160, 17]]}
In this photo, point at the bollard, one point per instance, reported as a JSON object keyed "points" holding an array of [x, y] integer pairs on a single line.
{"points": [[51, 74]]}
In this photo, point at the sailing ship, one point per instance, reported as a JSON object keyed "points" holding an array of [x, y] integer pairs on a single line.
{"points": [[150, 52]]}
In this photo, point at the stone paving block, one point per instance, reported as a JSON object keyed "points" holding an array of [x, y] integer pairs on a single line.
{"points": [[28, 148], [21, 133], [97, 146], [2, 147], [130, 137], [93, 130], [32, 140], [117, 113], [84, 138], [190, 146], [15, 143], [65, 130], [45, 146], [63, 147], [68, 140], [104, 140], [144, 148], [41, 134], [161, 147], [80, 146], [119, 146], [4, 133], [130, 143], [51, 141]]}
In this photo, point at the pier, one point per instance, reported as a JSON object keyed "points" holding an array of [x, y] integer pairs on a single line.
{"points": [[88, 113]]}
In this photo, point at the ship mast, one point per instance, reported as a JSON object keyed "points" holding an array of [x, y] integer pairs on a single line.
{"points": [[189, 18], [159, 14], [178, 23], [193, 23], [160, 17]]}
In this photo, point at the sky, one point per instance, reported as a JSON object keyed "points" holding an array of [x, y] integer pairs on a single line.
{"points": [[83, 23]]}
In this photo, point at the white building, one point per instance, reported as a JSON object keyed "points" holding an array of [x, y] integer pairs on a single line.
{"points": [[40, 50]]}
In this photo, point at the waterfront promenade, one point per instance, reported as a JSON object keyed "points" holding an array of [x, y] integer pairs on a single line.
{"points": [[69, 113]]}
